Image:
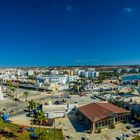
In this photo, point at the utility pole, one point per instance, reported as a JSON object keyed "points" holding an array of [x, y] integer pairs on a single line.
{"points": [[54, 130]]}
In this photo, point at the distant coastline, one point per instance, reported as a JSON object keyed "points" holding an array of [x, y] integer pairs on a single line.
{"points": [[131, 77]]}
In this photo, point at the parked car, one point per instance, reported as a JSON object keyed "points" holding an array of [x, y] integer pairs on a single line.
{"points": [[67, 137], [133, 131], [83, 138], [117, 138], [128, 127]]}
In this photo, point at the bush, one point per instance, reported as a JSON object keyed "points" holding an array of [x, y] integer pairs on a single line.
{"points": [[136, 138], [137, 118], [16, 99], [112, 126], [98, 130]]}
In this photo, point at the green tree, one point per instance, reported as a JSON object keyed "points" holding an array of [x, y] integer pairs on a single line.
{"points": [[40, 117], [78, 86], [26, 93], [98, 130], [16, 86], [1, 81], [9, 84], [32, 106], [42, 136], [112, 126], [13, 90], [32, 77], [132, 90]]}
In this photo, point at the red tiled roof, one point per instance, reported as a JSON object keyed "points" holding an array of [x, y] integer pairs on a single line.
{"points": [[98, 111]]}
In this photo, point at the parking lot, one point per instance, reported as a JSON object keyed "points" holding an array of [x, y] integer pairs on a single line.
{"points": [[73, 130]]}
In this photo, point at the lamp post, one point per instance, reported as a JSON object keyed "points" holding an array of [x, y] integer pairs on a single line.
{"points": [[48, 134], [54, 130]]}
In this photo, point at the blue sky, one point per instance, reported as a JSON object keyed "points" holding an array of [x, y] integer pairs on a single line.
{"points": [[69, 32]]}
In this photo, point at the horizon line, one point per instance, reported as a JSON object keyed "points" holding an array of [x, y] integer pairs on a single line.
{"points": [[96, 65]]}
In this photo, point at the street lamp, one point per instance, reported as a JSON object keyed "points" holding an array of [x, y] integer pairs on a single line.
{"points": [[48, 133], [54, 130]]}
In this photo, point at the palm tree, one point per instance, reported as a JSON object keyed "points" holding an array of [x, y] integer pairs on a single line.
{"points": [[32, 106], [1, 81], [13, 90], [40, 117], [79, 86], [42, 135], [9, 84], [16, 86], [26, 93], [132, 90]]}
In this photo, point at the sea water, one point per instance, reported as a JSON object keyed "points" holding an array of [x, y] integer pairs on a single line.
{"points": [[131, 77]]}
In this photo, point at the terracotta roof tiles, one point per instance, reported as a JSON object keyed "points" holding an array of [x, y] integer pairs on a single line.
{"points": [[98, 111]]}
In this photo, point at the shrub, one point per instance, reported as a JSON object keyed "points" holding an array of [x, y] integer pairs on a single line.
{"points": [[112, 126], [98, 130]]}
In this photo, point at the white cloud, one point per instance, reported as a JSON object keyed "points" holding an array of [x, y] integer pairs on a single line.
{"points": [[69, 8], [128, 10], [87, 61]]}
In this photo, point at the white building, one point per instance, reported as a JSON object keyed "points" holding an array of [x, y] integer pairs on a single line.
{"points": [[97, 74], [89, 73], [30, 72], [81, 73], [89, 87], [6, 77], [118, 70], [21, 72], [54, 72], [73, 78], [57, 111], [61, 79], [1, 94]]}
